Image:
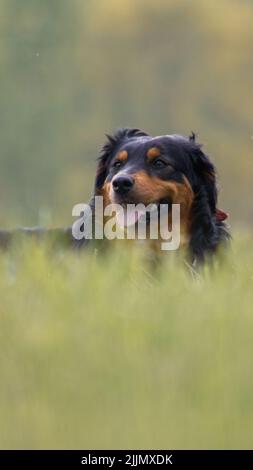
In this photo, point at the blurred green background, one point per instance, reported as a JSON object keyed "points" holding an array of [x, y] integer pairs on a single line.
{"points": [[73, 70]]}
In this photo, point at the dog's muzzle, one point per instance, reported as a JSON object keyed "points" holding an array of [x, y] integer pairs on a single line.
{"points": [[122, 184]]}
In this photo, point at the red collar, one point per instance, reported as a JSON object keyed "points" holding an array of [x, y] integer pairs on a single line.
{"points": [[221, 215]]}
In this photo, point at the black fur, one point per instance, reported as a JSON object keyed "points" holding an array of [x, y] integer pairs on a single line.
{"points": [[206, 232]]}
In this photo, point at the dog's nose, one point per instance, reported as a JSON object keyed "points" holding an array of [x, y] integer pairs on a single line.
{"points": [[122, 184]]}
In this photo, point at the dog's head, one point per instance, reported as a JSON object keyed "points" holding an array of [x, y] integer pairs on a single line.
{"points": [[135, 167]]}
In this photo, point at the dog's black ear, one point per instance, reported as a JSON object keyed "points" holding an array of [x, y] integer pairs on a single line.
{"points": [[108, 150], [205, 231], [192, 137], [205, 174]]}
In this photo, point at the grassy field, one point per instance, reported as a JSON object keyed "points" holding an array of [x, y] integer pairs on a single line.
{"points": [[95, 353]]}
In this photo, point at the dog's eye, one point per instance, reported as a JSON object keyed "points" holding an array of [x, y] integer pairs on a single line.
{"points": [[158, 163], [117, 164]]}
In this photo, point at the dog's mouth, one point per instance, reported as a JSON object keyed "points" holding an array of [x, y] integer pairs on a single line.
{"points": [[132, 214]]}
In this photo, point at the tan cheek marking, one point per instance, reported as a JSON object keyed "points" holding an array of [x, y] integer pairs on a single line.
{"points": [[151, 189], [184, 194], [154, 188], [106, 194], [122, 156], [100, 170], [153, 152]]}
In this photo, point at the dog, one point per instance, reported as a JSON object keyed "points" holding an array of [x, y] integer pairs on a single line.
{"points": [[135, 167]]}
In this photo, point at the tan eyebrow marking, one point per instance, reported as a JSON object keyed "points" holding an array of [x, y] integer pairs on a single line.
{"points": [[153, 152], [122, 156]]}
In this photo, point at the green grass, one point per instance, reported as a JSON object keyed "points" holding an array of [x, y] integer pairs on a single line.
{"points": [[95, 353]]}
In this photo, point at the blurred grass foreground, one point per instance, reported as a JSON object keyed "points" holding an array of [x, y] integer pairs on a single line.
{"points": [[95, 353]]}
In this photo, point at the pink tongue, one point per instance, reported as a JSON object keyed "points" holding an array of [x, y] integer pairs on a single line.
{"points": [[126, 218]]}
